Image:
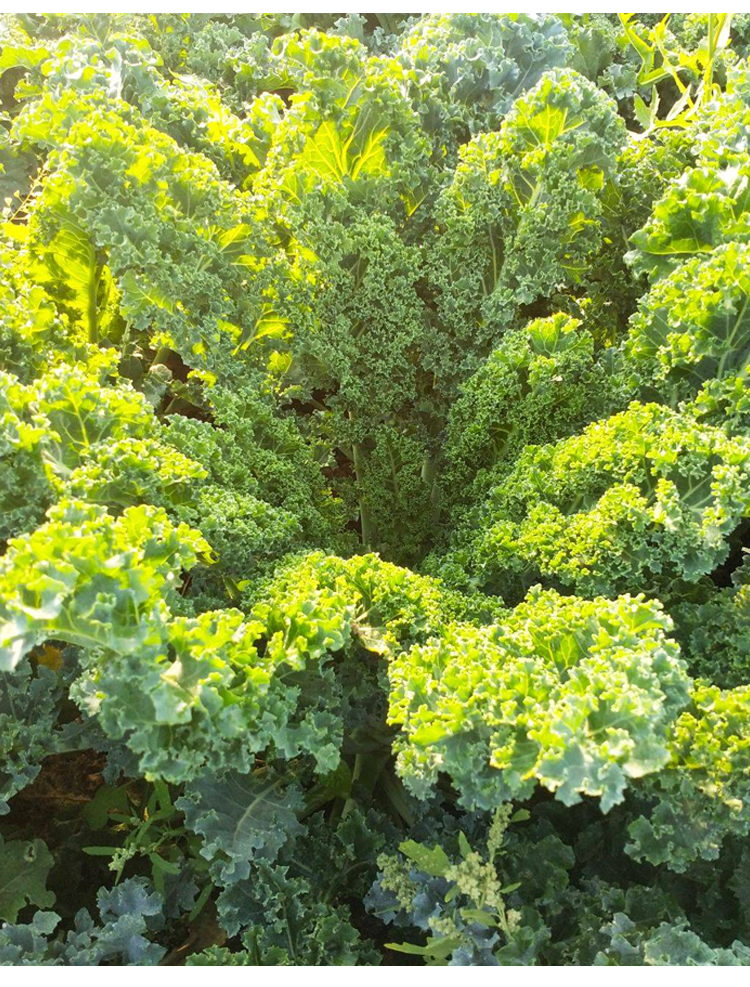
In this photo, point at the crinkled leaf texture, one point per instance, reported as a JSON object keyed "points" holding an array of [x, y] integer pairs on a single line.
{"points": [[29, 709], [93, 580], [242, 818], [703, 795], [128, 915], [572, 694], [634, 501]]}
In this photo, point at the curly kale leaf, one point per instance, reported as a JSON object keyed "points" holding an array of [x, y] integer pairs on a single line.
{"points": [[242, 818], [29, 708], [574, 695], [636, 926], [524, 214], [129, 915], [635, 501], [25, 491], [691, 334], [89, 579], [465, 70], [714, 634], [702, 795], [163, 222], [219, 688], [253, 453], [296, 910], [540, 384]]}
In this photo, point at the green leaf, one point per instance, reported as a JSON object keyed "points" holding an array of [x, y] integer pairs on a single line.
{"points": [[169, 867], [433, 861], [24, 868], [463, 844], [439, 948], [242, 818], [108, 799], [480, 916], [551, 652]]}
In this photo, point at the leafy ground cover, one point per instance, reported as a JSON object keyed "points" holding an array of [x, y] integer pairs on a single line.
{"points": [[375, 489]]}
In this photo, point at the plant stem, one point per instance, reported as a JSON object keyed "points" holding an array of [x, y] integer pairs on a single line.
{"points": [[94, 277], [358, 456]]}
